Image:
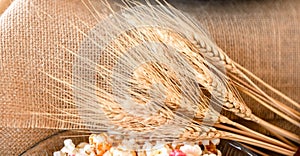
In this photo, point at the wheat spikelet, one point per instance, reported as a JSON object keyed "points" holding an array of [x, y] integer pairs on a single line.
{"points": [[147, 45]]}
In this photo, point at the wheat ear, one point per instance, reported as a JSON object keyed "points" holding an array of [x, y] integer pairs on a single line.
{"points": [[217, 57]]}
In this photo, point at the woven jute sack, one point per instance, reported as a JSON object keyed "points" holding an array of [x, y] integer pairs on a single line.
{"points": [[264, 37]]}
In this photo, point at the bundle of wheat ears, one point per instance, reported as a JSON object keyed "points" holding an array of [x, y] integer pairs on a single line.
{"points": [[151, 72]]}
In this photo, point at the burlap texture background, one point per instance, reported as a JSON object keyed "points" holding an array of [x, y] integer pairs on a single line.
{"points": [[262, 36]]}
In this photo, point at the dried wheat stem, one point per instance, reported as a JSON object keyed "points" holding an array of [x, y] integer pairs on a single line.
{"points": [[283, 139], [242, 109], [253, 136], [246, 88], [279, 113], [257, 135], [241, 112], [257, 143], [277, 104], [267, 85], [278, 130], [287, 118], [272, 108]]}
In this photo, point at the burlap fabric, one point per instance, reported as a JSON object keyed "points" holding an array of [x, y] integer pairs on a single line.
{"points": [[264, 37]]}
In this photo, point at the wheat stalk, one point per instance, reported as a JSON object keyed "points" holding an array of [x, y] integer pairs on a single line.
{"points": [[198, 63]]}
